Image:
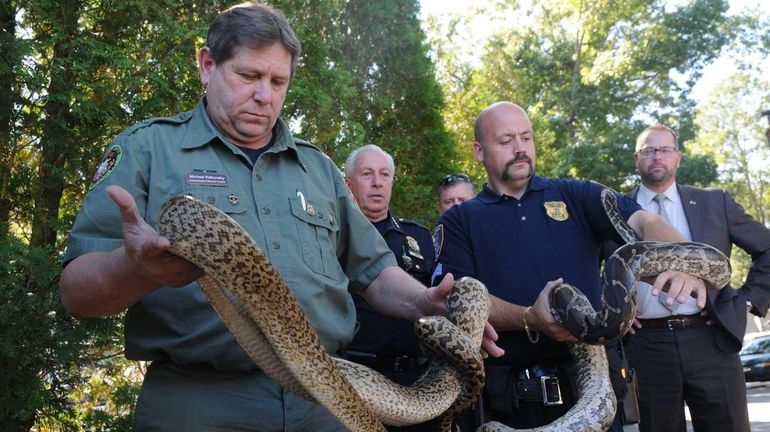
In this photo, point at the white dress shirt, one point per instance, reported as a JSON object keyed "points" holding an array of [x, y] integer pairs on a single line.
{"points": [[649, 306]]}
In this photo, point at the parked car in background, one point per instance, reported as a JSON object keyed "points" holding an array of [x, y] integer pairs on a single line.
{"points": [[755, 357]]}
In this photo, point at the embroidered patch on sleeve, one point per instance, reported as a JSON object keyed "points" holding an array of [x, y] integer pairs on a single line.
{"points": [[438, 240], [109, 163]]}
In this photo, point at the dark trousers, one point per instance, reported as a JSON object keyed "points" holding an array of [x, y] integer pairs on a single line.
{"points": [[686, 365], [525, 414]]}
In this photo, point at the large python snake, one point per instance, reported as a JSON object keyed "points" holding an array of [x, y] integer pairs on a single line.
{"points": [[596, 404], [265, 318], [622, 271]]}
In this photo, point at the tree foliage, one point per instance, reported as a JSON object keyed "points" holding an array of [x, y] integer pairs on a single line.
{"points": [[592, 75], [76, 72], [731, 132]]}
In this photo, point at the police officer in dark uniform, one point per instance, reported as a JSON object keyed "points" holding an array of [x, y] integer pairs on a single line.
{"points": [[383, 343], [522, 235]]}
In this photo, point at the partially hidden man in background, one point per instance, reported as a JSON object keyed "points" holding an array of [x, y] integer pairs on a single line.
{"points": [[522, 235], [384, 343], [454, 189], [233, 152], [684, 350]]}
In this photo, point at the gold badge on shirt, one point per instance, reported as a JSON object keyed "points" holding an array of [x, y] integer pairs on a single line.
{"points": [[557, 210], [414, 247]]}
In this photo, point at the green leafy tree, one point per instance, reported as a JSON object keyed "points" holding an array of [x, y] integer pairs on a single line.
{"points": [[79, 72], [731, 132], [399, 100], [592, 74]]}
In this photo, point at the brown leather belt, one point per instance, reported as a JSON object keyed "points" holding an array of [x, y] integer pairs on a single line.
{"points": [[675, 322]]}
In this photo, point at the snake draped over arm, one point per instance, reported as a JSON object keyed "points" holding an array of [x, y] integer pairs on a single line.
{"points": [[596, 404], [265, 318]]}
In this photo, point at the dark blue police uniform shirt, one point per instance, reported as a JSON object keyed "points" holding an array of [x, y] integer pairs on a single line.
{"points": [[412, 244], [516, 246]]}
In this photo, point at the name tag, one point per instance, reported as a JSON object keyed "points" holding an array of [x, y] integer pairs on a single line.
{"points": [[206, 179]]}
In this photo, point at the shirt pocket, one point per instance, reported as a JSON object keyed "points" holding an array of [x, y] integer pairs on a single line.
{"points": [[317, 228], [227, 201]]}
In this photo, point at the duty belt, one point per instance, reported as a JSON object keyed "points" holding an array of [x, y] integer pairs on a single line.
{"points": [[379, 362], [538, 384]]}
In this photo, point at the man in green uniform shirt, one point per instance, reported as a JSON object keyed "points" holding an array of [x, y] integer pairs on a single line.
{"points": [[233, 152]]}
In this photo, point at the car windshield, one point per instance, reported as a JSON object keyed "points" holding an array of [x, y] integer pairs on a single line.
{"points": [[757, 346]]}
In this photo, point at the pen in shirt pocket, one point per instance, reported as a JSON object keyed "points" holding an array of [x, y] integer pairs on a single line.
{"points": [[301, 199]]}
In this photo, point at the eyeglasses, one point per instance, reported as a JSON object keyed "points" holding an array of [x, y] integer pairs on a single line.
{"points": [[454, 178], [650, 151]]}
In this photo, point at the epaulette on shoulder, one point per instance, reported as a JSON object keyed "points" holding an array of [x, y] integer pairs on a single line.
{"points": [[412, 222], [300, 141], [175, 119]]}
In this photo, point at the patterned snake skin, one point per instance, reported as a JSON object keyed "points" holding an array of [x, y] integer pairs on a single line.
{"points": [[266, 320], [260, 310], [596, 405], [622, 271]]}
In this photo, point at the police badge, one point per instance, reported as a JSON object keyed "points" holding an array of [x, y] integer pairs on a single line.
{"points": [[414, 247], [556, 210]]}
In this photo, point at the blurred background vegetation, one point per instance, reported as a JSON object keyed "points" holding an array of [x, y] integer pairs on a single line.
{"points": [[592, 75]]}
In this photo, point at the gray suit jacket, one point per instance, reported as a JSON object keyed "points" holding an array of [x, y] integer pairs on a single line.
{"points": [[716, 219]]}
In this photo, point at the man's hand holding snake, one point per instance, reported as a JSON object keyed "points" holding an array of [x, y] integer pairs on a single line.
{"points": [[541, 319], [680, 287], [147, 251]]}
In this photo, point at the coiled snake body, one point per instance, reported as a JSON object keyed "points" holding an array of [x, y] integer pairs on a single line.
{"points": [[266, 320], [596, 404]]}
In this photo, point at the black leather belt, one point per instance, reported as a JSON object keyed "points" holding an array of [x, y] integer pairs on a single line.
{"points": [[675, 322], [378, 362]]}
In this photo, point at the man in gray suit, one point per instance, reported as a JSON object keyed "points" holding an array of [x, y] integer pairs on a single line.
{"points": [[683, 351]]}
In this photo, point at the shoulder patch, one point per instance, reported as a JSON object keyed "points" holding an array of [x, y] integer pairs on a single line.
{"points": [[109, 162], [438, 240]]}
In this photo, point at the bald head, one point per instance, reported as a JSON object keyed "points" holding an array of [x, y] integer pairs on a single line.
{"points": [[496, 108], [505, 144]]}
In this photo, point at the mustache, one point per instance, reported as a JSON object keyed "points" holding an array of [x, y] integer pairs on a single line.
{"points": [[519, 157]]}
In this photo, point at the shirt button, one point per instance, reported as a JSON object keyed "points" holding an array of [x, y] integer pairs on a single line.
{"points": [[211, 200], [320, 215], [276, 245], [266, 210], [523, 218], [519, 204], [258, 177]]}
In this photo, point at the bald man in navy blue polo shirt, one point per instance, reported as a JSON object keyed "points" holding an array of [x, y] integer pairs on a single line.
{"points": [[521, 236]]}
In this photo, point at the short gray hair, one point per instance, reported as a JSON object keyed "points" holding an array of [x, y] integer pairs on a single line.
{"points": [[351, 161]]}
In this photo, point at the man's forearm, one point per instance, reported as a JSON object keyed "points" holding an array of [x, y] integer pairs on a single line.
{"points": [[101, 284], [505, 316]]}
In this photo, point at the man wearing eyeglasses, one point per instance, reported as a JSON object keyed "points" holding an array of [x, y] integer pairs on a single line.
{"points": [[454, 189], [682, 351]]}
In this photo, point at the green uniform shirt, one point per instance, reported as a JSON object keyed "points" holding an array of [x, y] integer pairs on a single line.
{"points": [[293, 202]]}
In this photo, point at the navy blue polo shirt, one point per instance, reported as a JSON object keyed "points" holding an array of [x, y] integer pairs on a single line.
{"points": [[514, 246]]}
